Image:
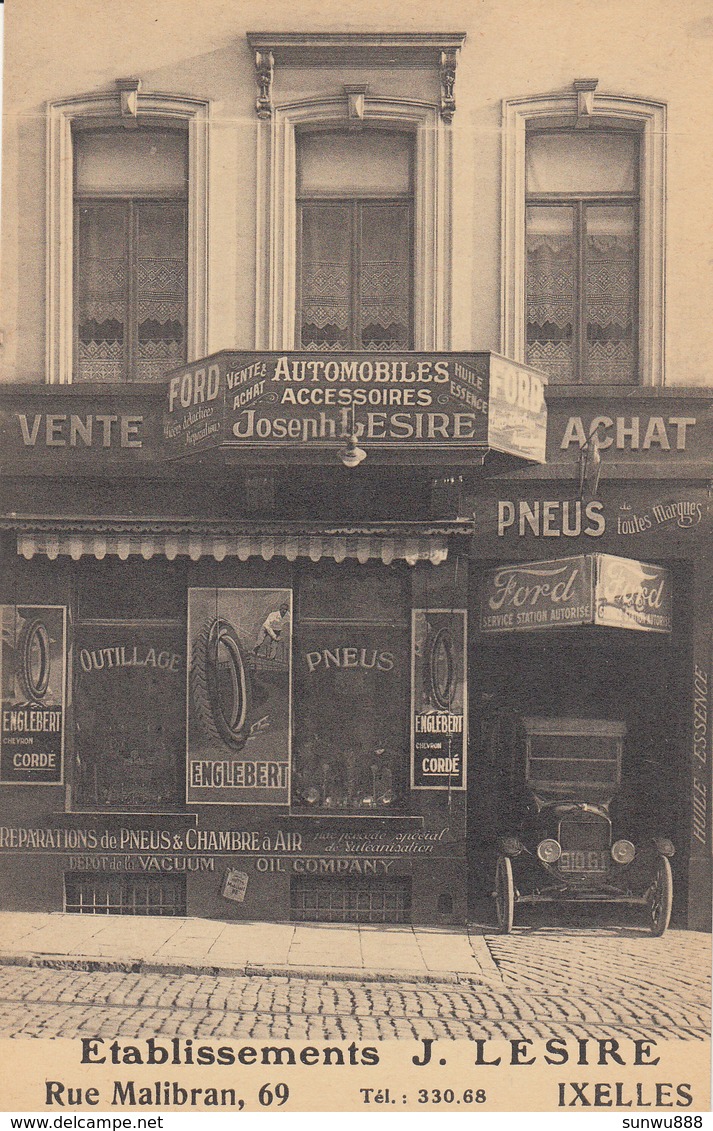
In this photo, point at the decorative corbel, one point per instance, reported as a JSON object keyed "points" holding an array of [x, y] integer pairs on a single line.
{"points": [[449, 60], [585, 101], [264, 67], [356, 103], [129, 101]]}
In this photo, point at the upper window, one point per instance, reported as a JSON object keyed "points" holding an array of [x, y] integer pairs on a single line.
{"points": [[582, 214], [354, 189], [130, 282], [583, 237], [355, 214], [127, 235]]}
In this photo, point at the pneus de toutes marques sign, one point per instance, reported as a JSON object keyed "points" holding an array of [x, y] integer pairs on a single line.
{"points": [[591, 589], [394, 402]]}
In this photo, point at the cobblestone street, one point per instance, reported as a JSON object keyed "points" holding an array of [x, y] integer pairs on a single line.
{"points": [[549, 982]]}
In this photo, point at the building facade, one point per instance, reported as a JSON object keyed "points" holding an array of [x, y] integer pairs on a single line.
{"points": [[356, 410]]}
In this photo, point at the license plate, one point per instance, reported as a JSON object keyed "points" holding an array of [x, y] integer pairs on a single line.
{"points": [[589, 860]]}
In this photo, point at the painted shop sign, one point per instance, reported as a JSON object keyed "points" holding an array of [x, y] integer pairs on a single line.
{"points": [[631, 594], [637, 428], [438, 699], [599, 589], [685, 514], [323, 866], [123, 843], [72, 430], [33, 681], [630, 433], [537, 595], [701, 743], [677, 516], [373, 841], [239, 696], [68, 427], [550, 518], [139, 863], [395, 402]]}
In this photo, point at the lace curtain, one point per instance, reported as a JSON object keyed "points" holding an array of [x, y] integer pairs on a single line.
{"points": [[130, 290], [355, 276], [582, 287]]}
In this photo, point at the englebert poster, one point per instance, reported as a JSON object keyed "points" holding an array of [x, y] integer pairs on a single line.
{"points": [[357, 451]]}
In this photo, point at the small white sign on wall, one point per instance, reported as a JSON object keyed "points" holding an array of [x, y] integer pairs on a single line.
{"points": [[235, 885]]}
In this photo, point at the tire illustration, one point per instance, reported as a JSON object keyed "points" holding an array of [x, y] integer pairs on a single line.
{"points": [[441, 669], [220, 684], [504, 895], [661, 897], [33, 659]]}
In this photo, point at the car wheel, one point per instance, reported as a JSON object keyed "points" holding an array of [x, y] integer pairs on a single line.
{"points": [[220, 683], [504, 895], [661, 897]]}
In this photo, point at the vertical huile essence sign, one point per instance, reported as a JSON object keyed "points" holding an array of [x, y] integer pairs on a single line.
{"points": [[438, 699], [33, 681], [598, 589]]}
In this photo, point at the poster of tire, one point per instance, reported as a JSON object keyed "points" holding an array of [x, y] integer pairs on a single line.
{"points": [[239, 696], [438, 699], [33, 679]]}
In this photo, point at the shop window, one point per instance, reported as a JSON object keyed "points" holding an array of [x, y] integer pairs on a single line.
{"points": [[583, 237], [355, 266], [126, 236], [581, 222], [129, 676], [352, 672], [130, 280]]}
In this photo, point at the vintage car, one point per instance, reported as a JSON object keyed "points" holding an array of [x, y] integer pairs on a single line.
{"points": [[565, 848]]}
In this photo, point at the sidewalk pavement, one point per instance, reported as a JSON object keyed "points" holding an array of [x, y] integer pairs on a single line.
{"points": [[207, 946]]}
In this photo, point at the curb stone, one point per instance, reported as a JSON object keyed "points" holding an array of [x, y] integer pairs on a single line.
{"points": [[91, 964]]}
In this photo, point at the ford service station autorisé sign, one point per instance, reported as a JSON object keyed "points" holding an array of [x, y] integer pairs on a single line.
{"points": [[588, 589], [397, 403]]}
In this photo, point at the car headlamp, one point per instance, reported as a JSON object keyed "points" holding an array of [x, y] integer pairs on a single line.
{"points": [[511, 846], [664, 846], [549, 851], [623, 852]]}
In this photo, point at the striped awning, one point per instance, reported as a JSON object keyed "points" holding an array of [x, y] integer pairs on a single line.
{"points": [[386, 543]]}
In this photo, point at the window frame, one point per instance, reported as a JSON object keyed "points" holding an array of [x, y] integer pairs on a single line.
{"points": [[355, 204], [103, 110], [579, 203], [276, 236], [559, 111], [133, 206]]}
